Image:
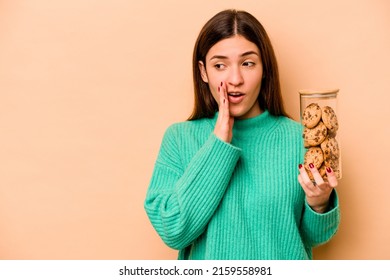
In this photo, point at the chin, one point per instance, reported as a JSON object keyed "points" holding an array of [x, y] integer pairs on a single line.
{"points": [[245, 112], [238, 114]]}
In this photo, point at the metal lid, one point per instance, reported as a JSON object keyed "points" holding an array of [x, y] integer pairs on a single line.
{"points": [[319, 93]]}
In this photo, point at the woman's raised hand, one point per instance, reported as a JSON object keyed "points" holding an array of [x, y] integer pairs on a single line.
{"points": [[224, 125]]}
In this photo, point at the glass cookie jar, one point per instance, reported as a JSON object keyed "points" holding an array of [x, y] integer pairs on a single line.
{"points": [[318, 114]]}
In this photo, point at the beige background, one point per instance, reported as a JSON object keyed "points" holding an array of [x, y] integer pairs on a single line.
{"points": [[87, 89]]}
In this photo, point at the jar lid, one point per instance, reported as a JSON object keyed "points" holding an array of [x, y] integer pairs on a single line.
{"points": [[319, 93]]}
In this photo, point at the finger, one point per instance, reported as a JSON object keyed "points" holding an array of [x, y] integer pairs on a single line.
{"points": [[332, 179], [224, 124], [222, 106], [304, 176], [316, 175], [307, 184], [225, 97], [225, 104], [307, 187], [221, 96], [224, 90], [301, 182]]}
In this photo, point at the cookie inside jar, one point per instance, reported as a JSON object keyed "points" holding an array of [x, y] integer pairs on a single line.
{"points": [[320, 131]]}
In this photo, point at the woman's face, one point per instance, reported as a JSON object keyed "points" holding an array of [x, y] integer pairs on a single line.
{"points": [[236, 62]]}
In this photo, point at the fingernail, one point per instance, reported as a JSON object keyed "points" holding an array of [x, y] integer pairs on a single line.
{"points": [[299, 166], [221, 83], [311, 165], [219, 89], [328, 169]]}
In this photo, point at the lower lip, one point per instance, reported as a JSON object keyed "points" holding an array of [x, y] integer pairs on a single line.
{"points": [[236, 99]]}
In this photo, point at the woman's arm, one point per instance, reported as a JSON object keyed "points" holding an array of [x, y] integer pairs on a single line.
{"points": [[181, 199]]}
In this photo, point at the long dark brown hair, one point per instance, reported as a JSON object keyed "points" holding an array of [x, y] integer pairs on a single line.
{"points": [[224, 25]]}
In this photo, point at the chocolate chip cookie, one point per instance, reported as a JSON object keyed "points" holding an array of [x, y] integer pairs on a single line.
{"points": [[315, 156], [321, 170], [330, 148], [311, 115], [329, 118], [316, 135]]}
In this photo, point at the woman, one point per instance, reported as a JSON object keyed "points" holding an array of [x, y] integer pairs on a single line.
{"points": [[225, 181]]}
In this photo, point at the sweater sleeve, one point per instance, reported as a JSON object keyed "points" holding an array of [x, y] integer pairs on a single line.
{"points": [[181, 200], [319, 228]]}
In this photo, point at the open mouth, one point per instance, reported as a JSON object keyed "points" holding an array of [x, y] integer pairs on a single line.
{"points": [[235, 94], [235, 97]]}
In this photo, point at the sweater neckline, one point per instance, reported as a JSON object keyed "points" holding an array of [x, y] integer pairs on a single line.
{"points": [[263, 121]]}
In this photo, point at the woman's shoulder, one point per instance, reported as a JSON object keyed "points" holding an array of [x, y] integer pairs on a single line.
{"points": [[190, 127], [191, 124]]}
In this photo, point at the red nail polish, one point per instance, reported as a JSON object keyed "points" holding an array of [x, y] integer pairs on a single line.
{"points": [[221, 83], [311, 165], [299, 166], [328, 169], [219, 89]]}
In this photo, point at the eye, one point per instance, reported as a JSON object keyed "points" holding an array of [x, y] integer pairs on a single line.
{"points": [[219, 66], [248, 64]]}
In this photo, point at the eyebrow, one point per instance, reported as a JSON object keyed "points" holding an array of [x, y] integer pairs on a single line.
{"points": [[242, 55]]}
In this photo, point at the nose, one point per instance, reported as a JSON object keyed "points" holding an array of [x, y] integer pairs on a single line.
{"points": [[235, 76]]}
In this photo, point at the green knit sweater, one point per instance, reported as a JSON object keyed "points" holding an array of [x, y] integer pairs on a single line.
{"points": [[215, 200]]}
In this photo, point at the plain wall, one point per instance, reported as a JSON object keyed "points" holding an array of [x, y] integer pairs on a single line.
{"points": [[87, 89]]}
